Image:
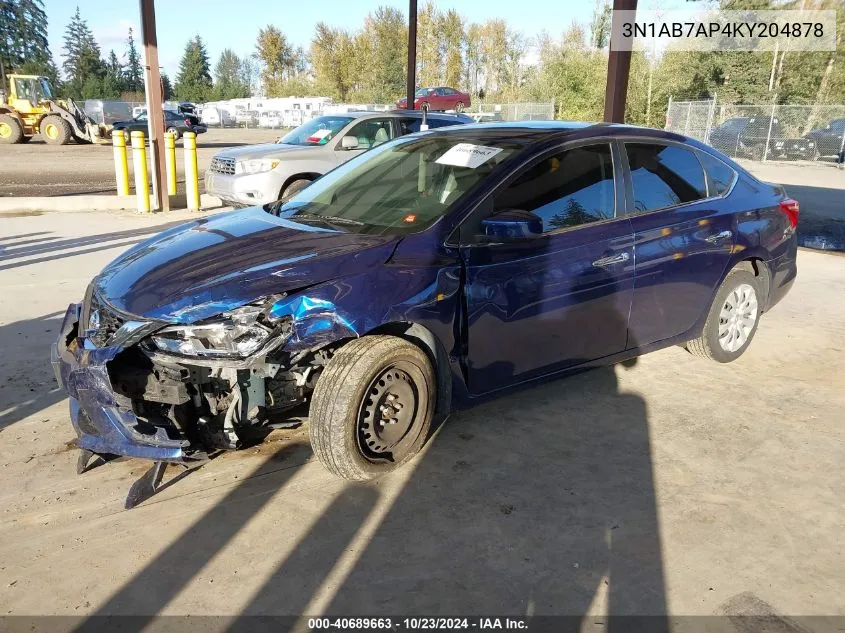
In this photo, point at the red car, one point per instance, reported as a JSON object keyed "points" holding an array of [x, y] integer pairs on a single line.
{"points": [[443, 98]]}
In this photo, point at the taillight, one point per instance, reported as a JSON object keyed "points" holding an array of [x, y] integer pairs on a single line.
{"points": [[792, 210]]}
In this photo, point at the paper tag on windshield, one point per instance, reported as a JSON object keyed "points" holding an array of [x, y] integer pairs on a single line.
{"points": [[468, 155]]}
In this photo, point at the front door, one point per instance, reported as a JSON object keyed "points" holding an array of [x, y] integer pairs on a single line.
{"points": [[543, 303], [684, 233], [369, 133]]}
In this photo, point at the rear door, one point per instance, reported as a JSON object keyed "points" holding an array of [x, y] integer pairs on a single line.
{"points": [[542, 303], [684, 232]]}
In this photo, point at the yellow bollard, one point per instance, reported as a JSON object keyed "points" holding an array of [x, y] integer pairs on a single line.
{"points": [[121, 167], [170, 161], [139, 164], [192, 186]]}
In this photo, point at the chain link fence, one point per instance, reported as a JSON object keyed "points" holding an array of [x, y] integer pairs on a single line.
{"points": [[483, 112], [762, 132]]}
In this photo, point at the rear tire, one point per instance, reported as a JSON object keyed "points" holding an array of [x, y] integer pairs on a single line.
{"points": [[10, 130], [293, 188], [55, 130], [372, 407], [425, 107], [732, 320]]}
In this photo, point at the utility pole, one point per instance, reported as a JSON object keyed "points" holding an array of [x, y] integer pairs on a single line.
{"points": [[412, 53], [618, 68], [155, 99]]}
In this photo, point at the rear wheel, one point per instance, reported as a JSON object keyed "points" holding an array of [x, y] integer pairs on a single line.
{"points": [[55, 130], [425, 107], [732, 320], [372, 407], [10, 130]]}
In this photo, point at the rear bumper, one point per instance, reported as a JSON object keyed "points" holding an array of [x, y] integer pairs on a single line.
{"points": [[103, 427], [783, 271]]}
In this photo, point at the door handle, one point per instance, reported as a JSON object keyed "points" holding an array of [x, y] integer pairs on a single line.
{"points": [[718, 237], [613, 259]]}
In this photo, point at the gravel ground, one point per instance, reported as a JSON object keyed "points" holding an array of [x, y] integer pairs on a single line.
{"points": [[675, 485], [37, 169]]}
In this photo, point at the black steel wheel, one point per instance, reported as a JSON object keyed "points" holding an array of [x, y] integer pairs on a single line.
{"points": [[372, 407]]}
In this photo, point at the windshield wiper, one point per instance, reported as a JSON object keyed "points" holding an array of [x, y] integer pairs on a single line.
{"points": [[328, 219]]}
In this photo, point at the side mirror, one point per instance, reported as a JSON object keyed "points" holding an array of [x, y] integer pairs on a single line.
{"points": [[349, 142], [512, 224]]}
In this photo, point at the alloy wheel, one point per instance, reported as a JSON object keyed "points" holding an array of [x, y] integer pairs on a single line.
{"points": [[737, 317]]}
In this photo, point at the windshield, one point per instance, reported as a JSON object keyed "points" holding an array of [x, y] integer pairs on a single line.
{"points": [[317, 131], [421, 92], [401, 187]]}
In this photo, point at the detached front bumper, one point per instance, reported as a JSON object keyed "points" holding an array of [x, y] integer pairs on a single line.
{"points": [[102, 425]]}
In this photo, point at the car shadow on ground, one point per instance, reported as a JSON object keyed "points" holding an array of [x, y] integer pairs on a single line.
{"points": [[28, 384], [540, 503], [822, 221], [12, 255]]}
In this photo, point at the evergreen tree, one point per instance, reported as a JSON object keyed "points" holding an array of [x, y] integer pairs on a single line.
{"points": [[23, 39], [134, 73], [113, 83], [227, 74], [82, 64], [166, 87], [193, 83]]}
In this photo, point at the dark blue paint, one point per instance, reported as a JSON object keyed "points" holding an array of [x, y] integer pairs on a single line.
{"points": [[498, 314]]}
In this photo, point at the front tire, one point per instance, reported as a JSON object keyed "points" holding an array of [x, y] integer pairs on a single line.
{"points": [[55, 130], [293, 188], [372, 407], [175, 132], [732, 320]]}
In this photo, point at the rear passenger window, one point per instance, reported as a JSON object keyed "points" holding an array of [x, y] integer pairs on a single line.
{"points": [[567, 189], [721, 176], [664, 176], [410, 125]]}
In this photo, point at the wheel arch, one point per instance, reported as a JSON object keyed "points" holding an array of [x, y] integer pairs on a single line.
{"points": [[305, 175], [426, 340]]}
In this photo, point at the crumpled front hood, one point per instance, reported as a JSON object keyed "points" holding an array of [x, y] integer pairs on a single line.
{"points": [[200, 269], [264, 150]]}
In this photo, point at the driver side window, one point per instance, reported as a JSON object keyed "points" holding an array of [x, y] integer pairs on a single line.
{"points": [[567, 189], [371, 133]]}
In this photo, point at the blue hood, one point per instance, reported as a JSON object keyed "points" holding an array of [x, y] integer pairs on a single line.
{"points": [[197, 270]]}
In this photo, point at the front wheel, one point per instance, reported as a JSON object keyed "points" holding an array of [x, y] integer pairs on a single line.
{"points": [[732, 320], [372, 407], [175, 132], [55, 130], [293, 188]]}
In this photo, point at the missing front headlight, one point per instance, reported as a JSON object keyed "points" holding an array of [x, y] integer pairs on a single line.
{"points": [[236, 334]]}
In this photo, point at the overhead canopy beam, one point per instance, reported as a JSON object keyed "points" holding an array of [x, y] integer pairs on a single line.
{"points": [[618, 69], [155, 99]]}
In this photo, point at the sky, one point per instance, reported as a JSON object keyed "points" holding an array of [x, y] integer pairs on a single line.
{"points": [[232, 24]]}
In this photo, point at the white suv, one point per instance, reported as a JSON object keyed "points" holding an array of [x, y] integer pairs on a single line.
{"points": [[259, 174]]}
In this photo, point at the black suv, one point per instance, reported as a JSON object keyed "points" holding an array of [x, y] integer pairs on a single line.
{"points": [[745, 137]]}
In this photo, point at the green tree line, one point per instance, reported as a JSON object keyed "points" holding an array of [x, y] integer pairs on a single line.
{"points": [[488, 59]]}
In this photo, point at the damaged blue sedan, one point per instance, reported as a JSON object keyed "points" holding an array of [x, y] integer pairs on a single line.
{"points": [[429, 273]]}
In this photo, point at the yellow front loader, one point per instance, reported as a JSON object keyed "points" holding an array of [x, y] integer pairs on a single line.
{"points": [[29, 108]]}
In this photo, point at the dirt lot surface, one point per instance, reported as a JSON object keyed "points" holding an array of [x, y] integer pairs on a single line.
{"points": [[38, 169], [676, 485]]}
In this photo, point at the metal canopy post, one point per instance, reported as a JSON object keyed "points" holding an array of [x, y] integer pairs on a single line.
{"points": [[155, 99], [412, 53], [618, 70]]}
